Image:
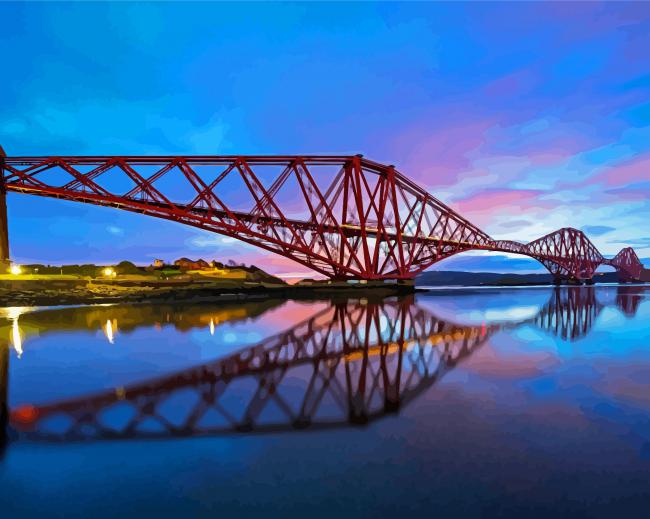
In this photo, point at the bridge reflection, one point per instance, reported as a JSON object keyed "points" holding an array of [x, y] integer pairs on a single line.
{"points": [[349, 364], [628, 300], [569, 314]]}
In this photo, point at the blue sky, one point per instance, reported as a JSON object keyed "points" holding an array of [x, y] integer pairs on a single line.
{"points": [[526, 117]]}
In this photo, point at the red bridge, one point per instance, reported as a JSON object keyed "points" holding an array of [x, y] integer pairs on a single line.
{"points": [[345, 217]]}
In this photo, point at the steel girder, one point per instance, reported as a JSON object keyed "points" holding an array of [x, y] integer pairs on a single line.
{"points": [[342, 216], [569, 254], [627, 263], [345, 217]]}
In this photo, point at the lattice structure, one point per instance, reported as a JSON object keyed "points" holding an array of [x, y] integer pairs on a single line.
{"points": [[569, 254], [350, 363], [342, 216], [628, 300], [628, 264], [570, 313], [345, 217]]}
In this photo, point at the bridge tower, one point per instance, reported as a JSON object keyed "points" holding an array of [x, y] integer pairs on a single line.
{"points": [[4, 227]]}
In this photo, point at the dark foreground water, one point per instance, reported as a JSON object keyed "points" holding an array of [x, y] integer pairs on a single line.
{"points": [[462, 403]]}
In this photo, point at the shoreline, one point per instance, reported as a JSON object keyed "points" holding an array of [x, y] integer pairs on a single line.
{"points": [[77, 296], [213, 293]]}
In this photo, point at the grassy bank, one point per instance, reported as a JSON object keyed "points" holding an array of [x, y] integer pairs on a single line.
{"points": [[69, 290]]}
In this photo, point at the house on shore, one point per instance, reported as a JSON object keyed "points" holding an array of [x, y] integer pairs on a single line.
{"points": [[188, 264]]}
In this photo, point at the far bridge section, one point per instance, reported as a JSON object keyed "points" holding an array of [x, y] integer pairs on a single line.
{"points": [[344, 216]]}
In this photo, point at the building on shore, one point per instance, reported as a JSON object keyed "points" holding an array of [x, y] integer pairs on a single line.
{"points": [[188, 264]]}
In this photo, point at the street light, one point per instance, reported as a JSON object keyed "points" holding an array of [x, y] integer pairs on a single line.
{"points": [[16, 270], [109, 272]]}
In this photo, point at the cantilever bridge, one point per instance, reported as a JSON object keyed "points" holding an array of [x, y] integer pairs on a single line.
{"points": [[345, 217]]}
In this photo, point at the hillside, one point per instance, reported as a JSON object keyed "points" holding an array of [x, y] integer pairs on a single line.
{"points": [[455, 278]]}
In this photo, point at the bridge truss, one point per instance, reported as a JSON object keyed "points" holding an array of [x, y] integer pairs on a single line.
{"points": [[345, 217]]}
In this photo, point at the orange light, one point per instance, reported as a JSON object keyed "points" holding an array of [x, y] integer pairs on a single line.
{"points": [[24, 416]]}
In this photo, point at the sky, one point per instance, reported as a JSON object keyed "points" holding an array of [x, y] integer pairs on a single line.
{"points": [[524, 117]]}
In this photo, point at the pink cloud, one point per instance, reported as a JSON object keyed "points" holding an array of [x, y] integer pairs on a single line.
{"points": [[636, 170], [513, 363], [515, 83], [480, 207], [436, 157]]}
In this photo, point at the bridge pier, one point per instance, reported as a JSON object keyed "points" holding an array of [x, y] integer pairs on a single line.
{"points": [[4, 227], [357, 412], [558, 281]]}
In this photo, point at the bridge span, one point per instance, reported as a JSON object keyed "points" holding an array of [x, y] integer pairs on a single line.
{"points": [[345, 217]]}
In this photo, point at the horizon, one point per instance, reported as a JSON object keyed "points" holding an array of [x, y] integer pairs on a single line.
{"points": [[519, 139]]}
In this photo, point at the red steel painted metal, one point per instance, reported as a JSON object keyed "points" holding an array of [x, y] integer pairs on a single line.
{"points": [[360, 220]]}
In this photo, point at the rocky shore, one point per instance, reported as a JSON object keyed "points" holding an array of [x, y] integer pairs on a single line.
{"points": [[80, 292]]}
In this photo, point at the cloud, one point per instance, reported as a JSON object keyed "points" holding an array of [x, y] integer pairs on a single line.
{"points": [[631, 171], [638, 191], [214, 241], [597, 230], [641, 243], [514, 224], [115, 231]]}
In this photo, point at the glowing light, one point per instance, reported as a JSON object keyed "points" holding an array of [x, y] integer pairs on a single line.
{"points": [[16, 270], [211, 326], [15, 335], [14, 312], [24, 416], [16, 339], [109, 272], [110, 328]]}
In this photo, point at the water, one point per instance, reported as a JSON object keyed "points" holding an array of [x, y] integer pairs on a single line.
{"points": [[463, 403]]}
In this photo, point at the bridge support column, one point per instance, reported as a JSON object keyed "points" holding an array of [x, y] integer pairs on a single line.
{"points": [[623, 278], [357, 413], [4, 226]]}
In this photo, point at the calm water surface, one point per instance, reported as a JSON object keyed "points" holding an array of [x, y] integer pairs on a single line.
{"points": [[465, 403]]}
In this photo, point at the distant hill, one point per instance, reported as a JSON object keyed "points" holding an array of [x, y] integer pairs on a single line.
{"points": [[456, 278]]}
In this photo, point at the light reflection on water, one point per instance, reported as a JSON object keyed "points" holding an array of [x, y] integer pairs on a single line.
{"points": [[567, 366]]}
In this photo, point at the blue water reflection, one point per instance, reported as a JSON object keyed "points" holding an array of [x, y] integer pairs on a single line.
{"points": [[461, 402]]}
